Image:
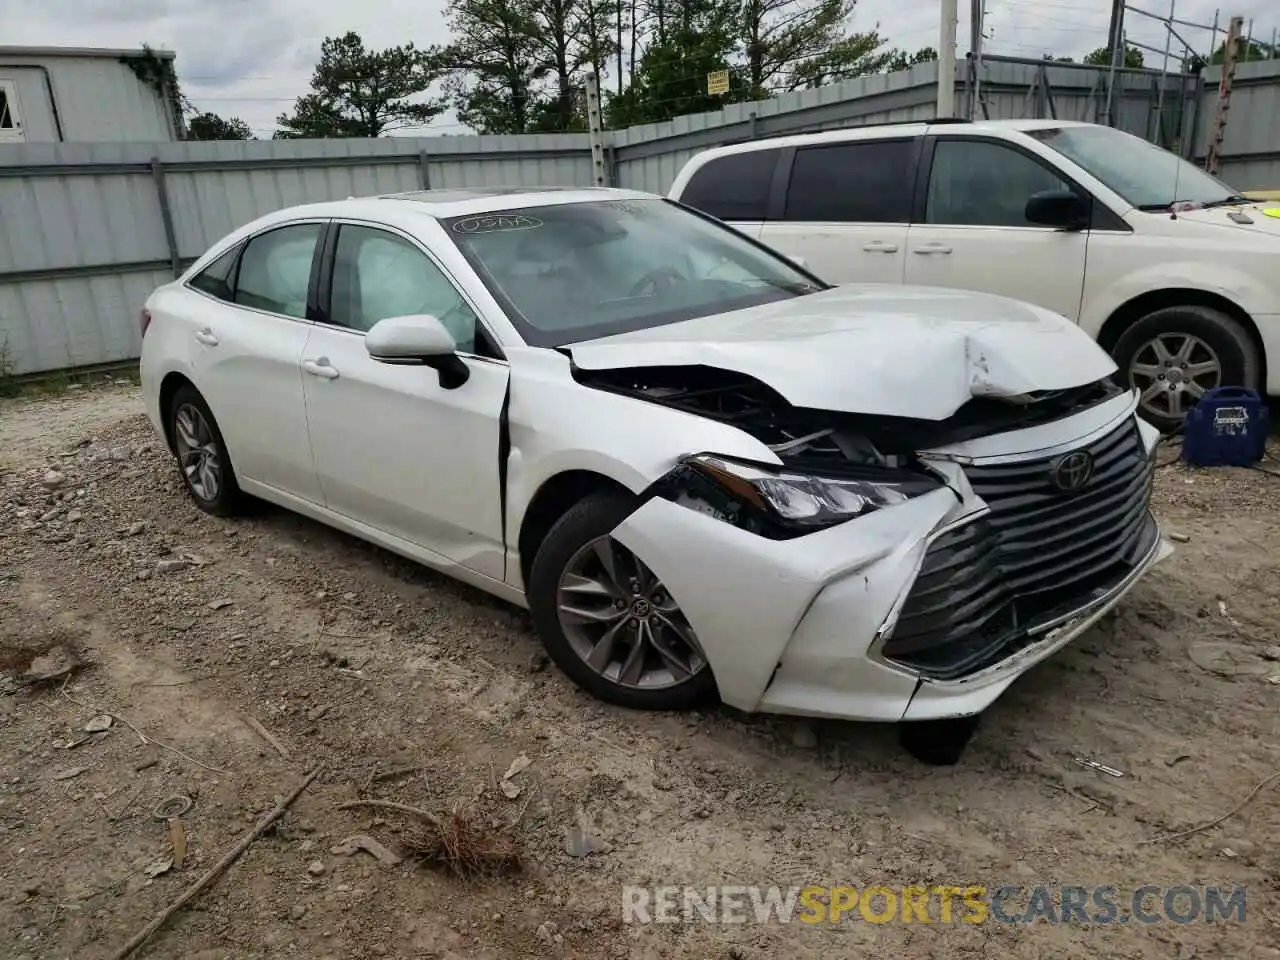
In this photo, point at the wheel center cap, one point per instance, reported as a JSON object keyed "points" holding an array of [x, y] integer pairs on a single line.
{"points": [[641, 608], [1175, 375]]}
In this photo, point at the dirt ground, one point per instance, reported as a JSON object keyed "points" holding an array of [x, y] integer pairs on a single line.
{"points": [[408, 687]]}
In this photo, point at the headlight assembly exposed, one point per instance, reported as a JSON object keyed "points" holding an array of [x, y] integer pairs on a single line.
{"points": [[803, 501]]}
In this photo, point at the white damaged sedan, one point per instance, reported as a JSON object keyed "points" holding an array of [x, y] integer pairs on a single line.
{"points": [[702, 469]]}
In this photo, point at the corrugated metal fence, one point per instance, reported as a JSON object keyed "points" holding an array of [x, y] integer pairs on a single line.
{"points": [[88, 230]]}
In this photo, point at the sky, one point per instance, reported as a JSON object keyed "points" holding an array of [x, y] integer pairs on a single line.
{"points": [[251, 58]]}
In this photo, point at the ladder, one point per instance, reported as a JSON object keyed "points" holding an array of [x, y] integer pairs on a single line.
{"points": [[1230, 54]]}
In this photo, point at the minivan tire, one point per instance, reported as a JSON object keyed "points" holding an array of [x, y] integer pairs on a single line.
{"points": [[1225, 336], [587, 521]]}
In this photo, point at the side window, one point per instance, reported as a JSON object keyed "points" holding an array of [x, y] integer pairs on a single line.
{"points": [[275, 270], [865, 181], [984, 184], [378, 275], [10, 122], [733, 187], [215, 279]]}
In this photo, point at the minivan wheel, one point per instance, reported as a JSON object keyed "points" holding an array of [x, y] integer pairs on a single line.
{"points": [[202, 455], [1174, 355], [607, 620]]}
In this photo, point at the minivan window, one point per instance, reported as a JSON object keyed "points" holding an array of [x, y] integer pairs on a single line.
{"points": [[866, 181], [983, 183], [1147, 176], [734, 186]]}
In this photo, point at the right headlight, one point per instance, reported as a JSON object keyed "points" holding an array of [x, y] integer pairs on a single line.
{"points": [[810, 501]]}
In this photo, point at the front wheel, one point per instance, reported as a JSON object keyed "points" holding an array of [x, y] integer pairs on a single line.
{"points": [[607, 620], [1175, 355]]}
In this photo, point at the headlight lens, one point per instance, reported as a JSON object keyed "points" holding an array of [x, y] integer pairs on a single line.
{"points": [[810, 500]]}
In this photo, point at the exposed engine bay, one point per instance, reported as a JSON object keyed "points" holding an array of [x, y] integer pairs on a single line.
{"points": [[849, 449], [820, 440]]}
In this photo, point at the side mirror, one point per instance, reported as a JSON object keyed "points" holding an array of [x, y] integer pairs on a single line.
{"points": [[1057, 208], [418, 339], [798, 260]]}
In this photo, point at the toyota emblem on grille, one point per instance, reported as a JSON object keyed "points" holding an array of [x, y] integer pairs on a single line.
{"points": [[1072, 471]]}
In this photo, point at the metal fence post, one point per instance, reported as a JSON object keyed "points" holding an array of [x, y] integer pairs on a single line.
{"points": [[424, 171], [595, 126], [166, 215]]}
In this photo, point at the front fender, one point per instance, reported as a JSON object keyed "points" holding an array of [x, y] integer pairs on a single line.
{"points": [[1227, 281], [557, 425]]}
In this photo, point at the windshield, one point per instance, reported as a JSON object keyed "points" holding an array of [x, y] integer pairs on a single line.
{"points": [[576, 271], [1149, 177]]}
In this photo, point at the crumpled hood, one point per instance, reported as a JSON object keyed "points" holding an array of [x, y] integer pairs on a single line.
{"points": [[881, 349], [1221, 217]]}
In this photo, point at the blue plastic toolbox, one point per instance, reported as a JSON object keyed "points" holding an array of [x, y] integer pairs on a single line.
{"points": [[1227, 427]]}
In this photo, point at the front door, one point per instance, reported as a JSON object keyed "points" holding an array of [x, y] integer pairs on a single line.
{"points": [[393, 448], [974, 234]]}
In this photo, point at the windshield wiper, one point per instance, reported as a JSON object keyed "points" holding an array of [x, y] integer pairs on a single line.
{"points": [[1230, 200]]}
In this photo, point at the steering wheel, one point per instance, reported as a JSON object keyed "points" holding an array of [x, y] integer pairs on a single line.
{"points": [[656, 281]]}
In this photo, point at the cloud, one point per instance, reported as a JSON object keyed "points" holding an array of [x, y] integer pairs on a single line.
{"points": [[252, 58]]}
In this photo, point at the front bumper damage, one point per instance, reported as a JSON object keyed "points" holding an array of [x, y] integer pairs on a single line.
{"points": [[919, 611]]}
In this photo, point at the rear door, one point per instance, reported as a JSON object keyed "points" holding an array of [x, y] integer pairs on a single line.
{"points": [[970, 230], [846, 209], [248, 320], [734, 188], [394, 449]]}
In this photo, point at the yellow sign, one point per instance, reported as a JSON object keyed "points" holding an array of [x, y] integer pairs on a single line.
{"points": [[717, 82]]}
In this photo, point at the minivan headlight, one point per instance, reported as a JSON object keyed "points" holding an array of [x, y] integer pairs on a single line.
{"points": [[810, 500]]}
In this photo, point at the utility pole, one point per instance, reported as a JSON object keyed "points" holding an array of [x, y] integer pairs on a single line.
{"points": [[947, 60], [1230, 53], [973, 98], [1115, 46]]}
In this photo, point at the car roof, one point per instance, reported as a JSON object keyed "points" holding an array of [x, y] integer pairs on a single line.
{"points": [[452, 202], [885, 130]]}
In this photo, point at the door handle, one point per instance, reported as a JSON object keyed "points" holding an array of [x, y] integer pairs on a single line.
{"points": [[206, 337], [320, 368], [879, 246], [928, 249]]}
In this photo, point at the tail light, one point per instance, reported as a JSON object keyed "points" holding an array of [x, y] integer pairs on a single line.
{"points": [[144, 320]]}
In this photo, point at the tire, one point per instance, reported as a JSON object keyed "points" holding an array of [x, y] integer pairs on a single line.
{"points": [[570, 540], [224, 498], [1222, 336]]}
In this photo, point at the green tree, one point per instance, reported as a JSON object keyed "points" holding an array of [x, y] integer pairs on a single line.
{"points": [[786, 44], [1102, 57], [571, 35], [855, 56], [358, 92], [210, 126], [1251, 50], [495, 64], [696, 37]]}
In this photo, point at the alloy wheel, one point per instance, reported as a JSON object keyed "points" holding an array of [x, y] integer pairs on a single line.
{"points": [[622, 622], [197, 452], [1173, 370]]}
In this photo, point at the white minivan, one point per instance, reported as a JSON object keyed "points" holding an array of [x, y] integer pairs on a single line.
{"points": [[1175, 273]]}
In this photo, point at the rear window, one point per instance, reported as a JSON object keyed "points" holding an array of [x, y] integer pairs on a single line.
{"points": [[733, 187], [866, 181]]}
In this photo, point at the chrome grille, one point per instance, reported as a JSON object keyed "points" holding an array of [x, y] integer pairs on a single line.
{"points": [[1040, 552]]}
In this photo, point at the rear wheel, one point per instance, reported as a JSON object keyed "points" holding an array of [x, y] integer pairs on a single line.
{"points": [[607, 620], [202, 454], [1175, 355]]}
